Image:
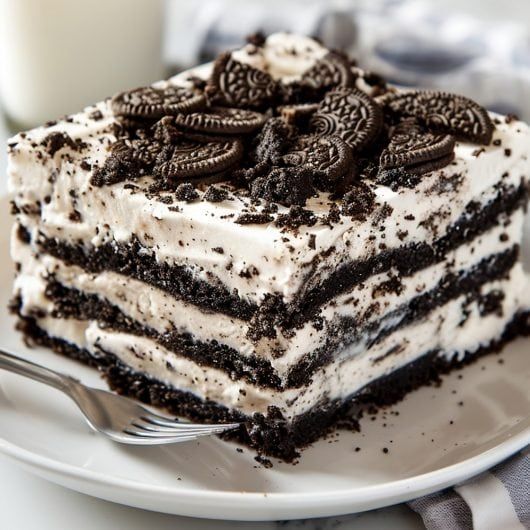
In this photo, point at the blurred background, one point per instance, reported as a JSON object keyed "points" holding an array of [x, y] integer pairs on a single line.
{"points": [[57, 56]]}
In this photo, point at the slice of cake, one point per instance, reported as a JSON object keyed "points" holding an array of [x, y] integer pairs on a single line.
{"points": [[273, 238]]}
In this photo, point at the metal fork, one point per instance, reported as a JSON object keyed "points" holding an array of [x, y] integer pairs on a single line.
{"points": [[120, 418]]}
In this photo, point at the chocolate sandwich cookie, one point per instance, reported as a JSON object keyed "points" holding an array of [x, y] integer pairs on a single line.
{"points": [[332, 71], [327, 157], [441, 111], [417, 150], [221, 120], [151, 102], [351, 114], [143, 152], [240, 85], [194, 156]]}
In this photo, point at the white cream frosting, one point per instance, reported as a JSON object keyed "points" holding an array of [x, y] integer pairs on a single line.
{"points": [[285, 56]]}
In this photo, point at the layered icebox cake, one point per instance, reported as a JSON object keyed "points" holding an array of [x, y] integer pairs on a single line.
{"points": [[276, 238]]}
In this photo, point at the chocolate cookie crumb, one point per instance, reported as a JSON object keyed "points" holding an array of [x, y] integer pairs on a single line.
{"points": [[288, 186], [56, 141], [96, 115], [296, 217], [119, 166], [75, 216], [216, 194], [186, 192], [398, 178], [253, 218], [359, 202], [265, 462], [267, 317], [257, 39], [333, 216]]}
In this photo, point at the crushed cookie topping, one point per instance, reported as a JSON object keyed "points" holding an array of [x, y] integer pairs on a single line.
{"points": [[283, 142]]}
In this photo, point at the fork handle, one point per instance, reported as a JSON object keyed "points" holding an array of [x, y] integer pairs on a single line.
{"points": [[20, 366]]}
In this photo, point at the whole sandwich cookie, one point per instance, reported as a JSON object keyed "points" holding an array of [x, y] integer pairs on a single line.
{"points": [[351, 114], [332, 71], [443, 112], [151, 102], [325, 156], [240, 85], [417, 150], [221, 120], [192, 156]]}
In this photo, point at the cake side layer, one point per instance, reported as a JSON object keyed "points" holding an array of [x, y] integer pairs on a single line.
{"points": [[346, 332], [139, 263], [156, 309], [478, 283], [477, 219], [270, 434], [458, 325]]}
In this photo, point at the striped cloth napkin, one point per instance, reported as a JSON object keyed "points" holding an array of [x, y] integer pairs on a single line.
{"points": [[496, 500]]}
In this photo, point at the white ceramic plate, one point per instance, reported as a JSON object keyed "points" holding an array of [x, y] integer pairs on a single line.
{"points": [[433, 443]]}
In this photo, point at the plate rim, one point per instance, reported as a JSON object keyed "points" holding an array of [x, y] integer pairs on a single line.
{"points": [[287, 505]]}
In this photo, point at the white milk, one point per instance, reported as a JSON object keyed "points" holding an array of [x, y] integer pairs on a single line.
{"points": [[58, 56]]}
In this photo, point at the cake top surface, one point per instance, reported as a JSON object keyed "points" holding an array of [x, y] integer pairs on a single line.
{"points": [[278, 150]]}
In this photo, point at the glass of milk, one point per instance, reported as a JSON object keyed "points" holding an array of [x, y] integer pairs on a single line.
{"points": [[58, 56]]}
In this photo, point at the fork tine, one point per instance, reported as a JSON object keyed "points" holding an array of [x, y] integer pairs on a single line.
{"points": [[182, 435], [146, 426], [175, 425], [160, 421], [134, 435]]}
